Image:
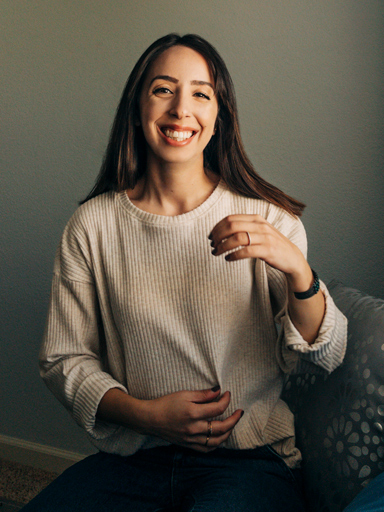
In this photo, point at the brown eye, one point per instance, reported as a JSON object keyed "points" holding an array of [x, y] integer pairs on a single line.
{"points": [[162, 90], [202, 95]]}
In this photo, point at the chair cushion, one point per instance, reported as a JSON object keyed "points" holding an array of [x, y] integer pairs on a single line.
{"points": [[340, 417]]}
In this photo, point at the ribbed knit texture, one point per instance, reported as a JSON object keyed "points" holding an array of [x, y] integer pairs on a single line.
{"points": [[138, 302]]}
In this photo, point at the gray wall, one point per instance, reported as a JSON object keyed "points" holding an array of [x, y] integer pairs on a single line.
{"points": [[309, 81]]}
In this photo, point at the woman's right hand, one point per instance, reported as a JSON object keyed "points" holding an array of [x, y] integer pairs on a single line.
{"points": [[183, 418]]}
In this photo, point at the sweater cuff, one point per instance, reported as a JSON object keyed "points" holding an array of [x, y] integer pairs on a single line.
{"points": [[328, 350], [87, 399]]}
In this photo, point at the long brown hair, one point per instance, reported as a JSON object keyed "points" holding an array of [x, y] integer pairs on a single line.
{"points": [[125, 158]]}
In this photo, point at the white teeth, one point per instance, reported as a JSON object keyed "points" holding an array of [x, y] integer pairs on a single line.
{"points": [[178, 136]]}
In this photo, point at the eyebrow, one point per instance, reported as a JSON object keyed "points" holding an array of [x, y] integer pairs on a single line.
{"points": [[175, 80]]}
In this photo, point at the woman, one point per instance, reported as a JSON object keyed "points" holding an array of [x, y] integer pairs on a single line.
{"points": [[161, 337]]}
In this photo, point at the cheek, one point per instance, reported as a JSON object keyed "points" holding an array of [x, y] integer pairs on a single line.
{"points": [[210, 120], [212, 117], [147, 109]]}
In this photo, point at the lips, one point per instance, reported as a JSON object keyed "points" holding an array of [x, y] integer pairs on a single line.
{"points": [[177, 135]]}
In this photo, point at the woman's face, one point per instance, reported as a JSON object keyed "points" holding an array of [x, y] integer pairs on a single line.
{"points": [[178, 107]]}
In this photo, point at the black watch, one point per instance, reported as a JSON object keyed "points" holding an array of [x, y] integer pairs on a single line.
{"points": [[313, 289]]}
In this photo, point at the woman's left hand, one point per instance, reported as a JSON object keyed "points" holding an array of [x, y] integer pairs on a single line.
{"points": [[251, 236]]}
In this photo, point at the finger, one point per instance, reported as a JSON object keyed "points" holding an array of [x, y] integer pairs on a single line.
{"points": [[213, 441], [221, 430], [205, 411], [205, 443], [238, 240], [232, 228], [219, 427], [203, 396], [252, 251], [233, 224]]}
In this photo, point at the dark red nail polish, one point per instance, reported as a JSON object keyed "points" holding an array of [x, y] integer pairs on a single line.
{"points": [[214, 251], [215, 388]]}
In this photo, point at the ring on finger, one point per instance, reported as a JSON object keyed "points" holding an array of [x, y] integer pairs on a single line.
{"points": [[209, 432], [249, 238]]}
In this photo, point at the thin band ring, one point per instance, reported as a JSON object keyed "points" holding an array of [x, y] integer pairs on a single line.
{"points": [[249, 238], [209, 433]]}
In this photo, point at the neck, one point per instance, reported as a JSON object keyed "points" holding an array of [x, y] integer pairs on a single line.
{"points": [[173, 189]]}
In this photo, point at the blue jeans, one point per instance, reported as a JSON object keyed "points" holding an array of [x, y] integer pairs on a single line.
{"points": [[371, 499], [175, 479]]}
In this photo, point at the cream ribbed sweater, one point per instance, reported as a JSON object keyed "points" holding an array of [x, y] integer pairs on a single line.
{"points": [[138, 302]]}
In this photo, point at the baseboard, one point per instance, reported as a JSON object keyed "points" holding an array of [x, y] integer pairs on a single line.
{"points": [[37, 455]]}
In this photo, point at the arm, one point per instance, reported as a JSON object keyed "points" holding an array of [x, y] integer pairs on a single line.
{"points": [[70, 362], [306, 315], [271, 246], [313, 330]]}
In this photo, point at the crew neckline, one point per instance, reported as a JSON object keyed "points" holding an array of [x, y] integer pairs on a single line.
{"points": [[154, 218]]}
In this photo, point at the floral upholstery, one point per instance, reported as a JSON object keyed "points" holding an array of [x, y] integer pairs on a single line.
{"points": [[340, 417]]}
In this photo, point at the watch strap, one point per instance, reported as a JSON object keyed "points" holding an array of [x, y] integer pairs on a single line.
{"points": [[313, 289]]}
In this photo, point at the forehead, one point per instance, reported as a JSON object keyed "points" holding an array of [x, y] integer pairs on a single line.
{"points": [[182, 63]]}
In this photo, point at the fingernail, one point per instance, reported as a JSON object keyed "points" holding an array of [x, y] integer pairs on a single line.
{"points": [[228, 257], [215, 388], [210, 236], [242, 414], [214, 251], [212, 243]]}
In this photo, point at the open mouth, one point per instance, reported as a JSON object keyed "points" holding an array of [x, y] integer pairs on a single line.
{"points": [[177, 136]]}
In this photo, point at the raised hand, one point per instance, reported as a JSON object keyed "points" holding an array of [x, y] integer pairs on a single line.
{"points": [[251, 236]]}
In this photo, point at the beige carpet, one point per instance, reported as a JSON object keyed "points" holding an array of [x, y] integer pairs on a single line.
{"points": [[20, 483]]}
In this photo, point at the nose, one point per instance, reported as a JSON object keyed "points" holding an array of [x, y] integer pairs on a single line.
{"points": [[180, 106]]}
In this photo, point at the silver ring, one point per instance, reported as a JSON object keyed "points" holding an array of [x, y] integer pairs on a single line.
{"points": [[249, 238]]}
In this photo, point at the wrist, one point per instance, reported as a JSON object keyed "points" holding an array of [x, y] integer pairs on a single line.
{"points": [[145, 417], [300, 281], [311, 291], [118, 407]]}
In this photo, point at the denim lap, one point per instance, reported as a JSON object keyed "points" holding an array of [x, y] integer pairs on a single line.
{"points": [[171, 479], [106, 483], [244, 483]]}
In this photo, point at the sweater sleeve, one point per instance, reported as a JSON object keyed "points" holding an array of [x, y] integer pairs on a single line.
{"points": [[71, 353], [293, 352]]}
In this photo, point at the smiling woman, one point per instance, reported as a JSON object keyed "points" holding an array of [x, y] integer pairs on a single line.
{"points": [[168, 284]]}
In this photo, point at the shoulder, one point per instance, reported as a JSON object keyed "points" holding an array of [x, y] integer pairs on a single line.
{"points": [[91, 220], [81, 236], [93, 213]]}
